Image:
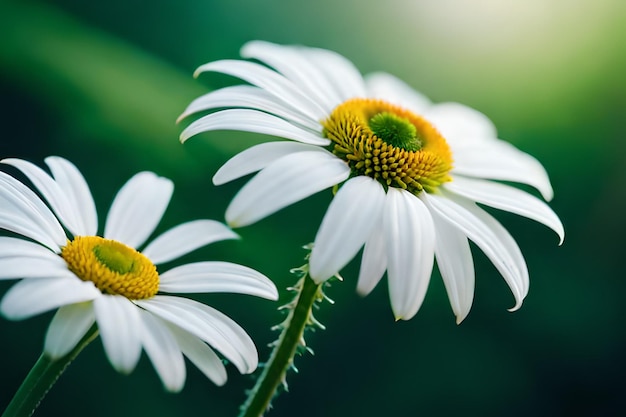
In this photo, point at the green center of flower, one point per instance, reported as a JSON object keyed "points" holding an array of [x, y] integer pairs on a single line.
{"points": [[396, 131], [113, 267], [114, 256], [390, 144]]}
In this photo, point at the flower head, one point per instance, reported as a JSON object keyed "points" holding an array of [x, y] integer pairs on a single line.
{"points": [[411, 172], [105, 280]]}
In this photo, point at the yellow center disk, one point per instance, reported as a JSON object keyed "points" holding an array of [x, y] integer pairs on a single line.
{"points": [[113, 267], [390, 144]]}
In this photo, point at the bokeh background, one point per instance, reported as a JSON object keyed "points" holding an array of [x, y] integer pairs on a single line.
{"points": [[101, 83]]}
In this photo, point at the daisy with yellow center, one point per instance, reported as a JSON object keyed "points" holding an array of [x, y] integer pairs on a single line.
{"points": [[106, 281], [410, 172]]}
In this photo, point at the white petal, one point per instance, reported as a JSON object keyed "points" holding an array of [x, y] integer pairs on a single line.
{"points": [[269, 80], [202, 277], [374, 260], [499, 160], [389, 88], [34, 296], [256, 158], [247, 120], [77, 192], [410, 242], [163, 351], [286, 181], [120, 329], [459, 123], [200, 354], [247, 96], [20, 258], [489, 236], [507, 198], [50, 190], [292, 63], [456, 265], [341, 73], [24, 213], [138, 208], [346, 225], [69, 325], [209, 325], [185, 238], [28, 267]]}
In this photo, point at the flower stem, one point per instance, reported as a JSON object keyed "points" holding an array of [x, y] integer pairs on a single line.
{"points": [[300, 315], [40, 379]]}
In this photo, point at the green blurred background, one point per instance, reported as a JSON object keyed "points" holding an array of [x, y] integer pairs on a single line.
{"points": [[101, 83]]}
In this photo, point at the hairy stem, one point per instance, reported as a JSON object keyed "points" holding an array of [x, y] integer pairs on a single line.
{"points": [[281, 359]]}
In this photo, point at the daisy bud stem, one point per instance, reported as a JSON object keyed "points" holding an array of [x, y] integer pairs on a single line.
{"points": [[291, 337], [42, 377]]}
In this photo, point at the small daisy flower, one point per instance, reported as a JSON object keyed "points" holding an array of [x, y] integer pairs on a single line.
{"points": [[105, 280], [411, 172]]}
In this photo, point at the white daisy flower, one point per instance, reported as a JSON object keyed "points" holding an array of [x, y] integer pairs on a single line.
{"points": [[411, 172], [105, 280]]}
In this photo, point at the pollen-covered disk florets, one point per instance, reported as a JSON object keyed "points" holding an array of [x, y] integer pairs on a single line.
{"points": [[390, 144], [113, 267]]}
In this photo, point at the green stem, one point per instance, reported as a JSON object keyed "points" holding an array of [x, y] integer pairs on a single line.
{"points": [[40, 379], [286, 346]]}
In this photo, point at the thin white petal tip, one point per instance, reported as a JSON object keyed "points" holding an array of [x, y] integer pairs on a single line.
{"points": [[219, 383], [275, 294], [560, 231], [515, 307], [174, 389], [404, 317], [217, 181], [362, 293], [123, 370], [234, 224]]}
